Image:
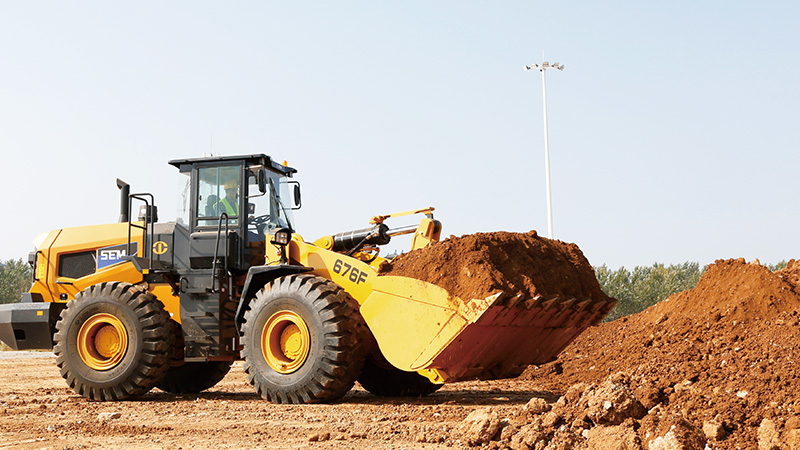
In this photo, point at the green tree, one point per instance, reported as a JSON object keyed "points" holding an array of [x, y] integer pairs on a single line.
{"points": [[642, 287], [15, 278], [777, 266]]}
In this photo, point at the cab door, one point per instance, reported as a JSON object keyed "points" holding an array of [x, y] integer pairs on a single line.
{"points": [[217, 215]]}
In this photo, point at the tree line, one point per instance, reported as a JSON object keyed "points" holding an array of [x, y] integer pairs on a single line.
{"points": [[635, 290]]}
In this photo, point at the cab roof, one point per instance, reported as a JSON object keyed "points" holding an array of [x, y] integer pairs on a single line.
{"points": [[185, 165]]}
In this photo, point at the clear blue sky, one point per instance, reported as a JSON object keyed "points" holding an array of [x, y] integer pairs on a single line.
{"points": [[673, 129]]}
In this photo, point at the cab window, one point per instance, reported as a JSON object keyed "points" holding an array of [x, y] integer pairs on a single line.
{"points": [[218, 191]]}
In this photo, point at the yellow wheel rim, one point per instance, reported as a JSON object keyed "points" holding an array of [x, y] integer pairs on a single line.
{"points": [[285, 341], [102, 341]]}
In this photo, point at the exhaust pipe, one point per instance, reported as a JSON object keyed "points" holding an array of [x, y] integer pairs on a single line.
{"points": [[125, 190]]}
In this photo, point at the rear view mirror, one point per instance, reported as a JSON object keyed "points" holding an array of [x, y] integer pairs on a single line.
{"points": [[296, 197], [295, 193], [262, 180]]}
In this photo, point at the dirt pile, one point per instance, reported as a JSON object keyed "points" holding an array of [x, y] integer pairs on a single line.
{"points": [[482, 264], [723, 357]]}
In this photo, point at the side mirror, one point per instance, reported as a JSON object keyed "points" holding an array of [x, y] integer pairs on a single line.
{"points": [[297, 203], [262, 180]]}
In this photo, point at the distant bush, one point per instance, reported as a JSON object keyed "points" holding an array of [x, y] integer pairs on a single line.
{"points": [[778, 266], [15, 278], [643, 287]]}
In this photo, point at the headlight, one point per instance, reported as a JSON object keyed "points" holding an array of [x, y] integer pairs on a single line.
{"points": [[282, 237]]}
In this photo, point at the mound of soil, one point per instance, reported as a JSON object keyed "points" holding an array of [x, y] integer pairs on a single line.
{"points": [[479, 265], [736, 291], [722, 356]]}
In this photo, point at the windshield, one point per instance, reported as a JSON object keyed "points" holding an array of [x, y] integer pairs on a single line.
{"points": [[271, 210]]}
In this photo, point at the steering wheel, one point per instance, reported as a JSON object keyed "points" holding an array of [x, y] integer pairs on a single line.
{"points": [[259, 223], [259, 220]]}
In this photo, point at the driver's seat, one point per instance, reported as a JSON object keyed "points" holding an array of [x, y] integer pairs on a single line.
{"points": [[212, 206]]}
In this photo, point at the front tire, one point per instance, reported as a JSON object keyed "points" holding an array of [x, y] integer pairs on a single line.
{"points": [[302, 341], [113, 342]]}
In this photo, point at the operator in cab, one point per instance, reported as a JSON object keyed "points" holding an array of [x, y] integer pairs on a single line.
{"points": [[230, 203]]}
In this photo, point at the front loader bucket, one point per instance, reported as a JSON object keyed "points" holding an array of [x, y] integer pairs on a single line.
{"points": [[421, 326]]}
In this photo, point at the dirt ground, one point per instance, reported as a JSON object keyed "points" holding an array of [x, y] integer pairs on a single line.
{"points": [[39, 411]]}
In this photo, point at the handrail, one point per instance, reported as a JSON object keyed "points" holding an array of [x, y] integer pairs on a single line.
{"points": [[216, 249], [147, 227]]}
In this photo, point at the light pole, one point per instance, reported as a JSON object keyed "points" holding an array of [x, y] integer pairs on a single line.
{"points": [[543, 68]]}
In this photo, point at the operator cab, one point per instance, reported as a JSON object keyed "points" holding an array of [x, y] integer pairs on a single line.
{"points": [[242, 199]]}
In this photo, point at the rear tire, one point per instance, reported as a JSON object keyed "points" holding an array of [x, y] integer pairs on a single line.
{"points": [[113, 342], [194, 377], [302, 341], [380, 379]]}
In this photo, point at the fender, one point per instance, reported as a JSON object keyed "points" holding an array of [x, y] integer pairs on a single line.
{"points": [[258, 277]]}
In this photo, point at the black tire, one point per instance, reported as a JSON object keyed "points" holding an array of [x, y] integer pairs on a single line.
{"points": [[194, 377], [380, 379], [334, 352], [136, 325]]}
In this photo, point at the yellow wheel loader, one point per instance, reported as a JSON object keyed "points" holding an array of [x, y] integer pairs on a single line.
{"points": [[138, 304]]}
